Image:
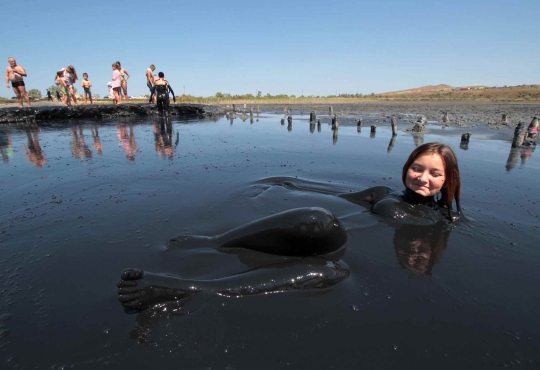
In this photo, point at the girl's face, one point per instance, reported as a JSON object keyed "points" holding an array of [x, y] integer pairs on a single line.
{"points": [[426, 175]]}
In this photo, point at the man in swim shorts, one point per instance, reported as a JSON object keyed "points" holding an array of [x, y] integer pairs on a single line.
{"points": [[15, 74], [150, 82]]}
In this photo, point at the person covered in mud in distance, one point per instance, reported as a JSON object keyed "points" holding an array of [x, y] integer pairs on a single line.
{"points": [[312, 234], [162, 89]]}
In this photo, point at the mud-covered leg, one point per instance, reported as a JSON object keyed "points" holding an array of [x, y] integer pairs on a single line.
{"points": [[140, 289], [297, 232]]}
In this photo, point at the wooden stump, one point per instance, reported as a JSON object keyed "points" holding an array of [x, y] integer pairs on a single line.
{"points": [[519, 135], [394, 126]]}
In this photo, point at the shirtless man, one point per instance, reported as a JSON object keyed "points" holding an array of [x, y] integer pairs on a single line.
{"points": [[15, 74], [150, 82]]}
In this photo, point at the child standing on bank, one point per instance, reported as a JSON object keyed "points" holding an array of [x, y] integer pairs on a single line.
{"points": [[111, 92], [63, 87], [86, 84]]}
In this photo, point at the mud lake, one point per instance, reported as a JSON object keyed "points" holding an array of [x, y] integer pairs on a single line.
{"points": [[83, 200]]}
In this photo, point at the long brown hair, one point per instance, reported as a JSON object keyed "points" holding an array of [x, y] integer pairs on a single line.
{"points": [[451, 188], [71, 69]]}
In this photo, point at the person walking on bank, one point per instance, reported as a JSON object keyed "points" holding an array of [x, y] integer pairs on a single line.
{"points": [[49, 96], [150, 82], [117, 83], [15, 74], [162, 89]]}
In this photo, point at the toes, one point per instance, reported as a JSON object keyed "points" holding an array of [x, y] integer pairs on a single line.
{"points": [[126, 283], [135, 305], [131, 274], [127, 290], [126, 298]]}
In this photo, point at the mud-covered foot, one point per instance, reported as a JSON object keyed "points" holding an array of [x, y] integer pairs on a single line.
{"points": [[139, 289]]}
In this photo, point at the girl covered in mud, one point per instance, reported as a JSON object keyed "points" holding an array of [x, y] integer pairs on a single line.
{"points": [[314, 237]]}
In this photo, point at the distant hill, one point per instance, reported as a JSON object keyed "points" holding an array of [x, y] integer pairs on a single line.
{"points": [[422, 90], [474, 92]]}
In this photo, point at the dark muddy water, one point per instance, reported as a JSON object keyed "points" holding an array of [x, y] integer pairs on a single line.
{"points": [[83, 201]]}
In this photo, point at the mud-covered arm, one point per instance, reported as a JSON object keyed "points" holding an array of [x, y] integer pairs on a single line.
{"points": [[172, 92], [367, 198]]}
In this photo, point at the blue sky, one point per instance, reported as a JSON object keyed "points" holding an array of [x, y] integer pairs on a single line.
{"points": [[290, 47]]}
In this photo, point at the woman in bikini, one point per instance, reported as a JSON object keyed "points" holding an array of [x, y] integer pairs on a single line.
{"points": [[125, 76]]}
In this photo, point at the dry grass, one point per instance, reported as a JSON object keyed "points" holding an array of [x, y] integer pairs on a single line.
{"points": [[511, 93]]}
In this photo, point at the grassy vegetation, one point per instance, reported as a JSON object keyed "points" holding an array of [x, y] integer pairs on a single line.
{"points": [[522, 93]]}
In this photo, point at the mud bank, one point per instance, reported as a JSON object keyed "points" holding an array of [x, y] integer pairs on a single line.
{"points": [[461, 114], [46, 113]]}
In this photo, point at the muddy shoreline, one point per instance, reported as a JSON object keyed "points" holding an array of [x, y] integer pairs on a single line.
{"points": [[462, 114], [55, 112]]}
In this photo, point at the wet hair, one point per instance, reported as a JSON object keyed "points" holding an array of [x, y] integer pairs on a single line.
{"points": [[451, 188], [152, 66], [115, 65], [161, 74], [119, 64], [85, 74]]}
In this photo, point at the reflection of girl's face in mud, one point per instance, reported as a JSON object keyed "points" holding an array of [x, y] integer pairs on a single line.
{"points": [[418, 249], [416, 258]]}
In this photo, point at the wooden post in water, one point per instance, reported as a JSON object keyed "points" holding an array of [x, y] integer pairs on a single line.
{"points": [[519, 135], [234, 108], [289, 120], [504, 119], [335, 122], [312, 117], [391, 144], [465, 137], [394, 126], [331, 111], [445, 117], [319, 126], [283, 121], [373, 128], [359, 123]]}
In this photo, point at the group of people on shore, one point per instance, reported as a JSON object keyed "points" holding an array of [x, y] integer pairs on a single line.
{"points": [[66, 78]]}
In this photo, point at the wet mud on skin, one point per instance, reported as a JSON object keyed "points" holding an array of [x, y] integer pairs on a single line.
{"points": [[82, 202]]}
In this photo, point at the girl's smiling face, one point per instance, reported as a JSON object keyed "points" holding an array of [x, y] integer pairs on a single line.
{"points": [[426, 175]]}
